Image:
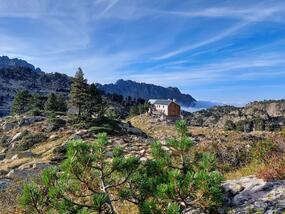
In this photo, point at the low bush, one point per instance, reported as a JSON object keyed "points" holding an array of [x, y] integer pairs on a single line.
{"points": [[36, 112], [30, 139], [4, 140], [274, 170], [229, 125], [96, 130], [265, 150], [90, 181]]}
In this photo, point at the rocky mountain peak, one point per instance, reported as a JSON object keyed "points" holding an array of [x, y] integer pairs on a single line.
{"points": [[6, 62], [147, 91]]}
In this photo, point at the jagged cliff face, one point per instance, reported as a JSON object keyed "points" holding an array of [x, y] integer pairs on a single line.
{"points": [[271, 112], [24, 78], [6, 62], [147, 91]]}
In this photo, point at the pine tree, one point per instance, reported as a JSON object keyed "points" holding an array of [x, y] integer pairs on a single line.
{"points": [[186, 172], [94, 102], [38, 101], [85, 182], [51, 103], [90, 180], [61, 103], [21, 102], [79, 91]]}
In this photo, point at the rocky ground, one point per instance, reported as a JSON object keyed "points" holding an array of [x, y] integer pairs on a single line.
{"points": [[271, 113], [29, 144], [247, 194], [253, 195]]}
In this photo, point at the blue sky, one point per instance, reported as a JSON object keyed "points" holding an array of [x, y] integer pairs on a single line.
{"points": [[220, 50]]}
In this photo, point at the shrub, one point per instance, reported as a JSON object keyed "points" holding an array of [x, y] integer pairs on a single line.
{"points": [[184, 173], [112, 113], [229, 125], [29, 139], [244, 126], [274, 170], [55, 123], [264, 150], [89, 180], [96, 130], [4, 140], [35, 112], [86, 173], [259, 124]]}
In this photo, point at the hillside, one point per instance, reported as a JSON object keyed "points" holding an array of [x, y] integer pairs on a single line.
{"points": [[147, 91], [264, 115], [16, 74]]}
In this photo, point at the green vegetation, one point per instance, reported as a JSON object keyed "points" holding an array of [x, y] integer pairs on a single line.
{"points": [[229, 125], [79, 92], [35, 104], [86, 100], [139, 109], [92, 179], [29, 139], [256, 124], [55, 103], [21, 102]]}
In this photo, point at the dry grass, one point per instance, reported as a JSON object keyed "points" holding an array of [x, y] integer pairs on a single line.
{"points": [[251, 169], [12, 164]]}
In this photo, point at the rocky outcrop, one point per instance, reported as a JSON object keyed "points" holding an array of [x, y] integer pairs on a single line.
{"points": [[265, 115], [25, 121], [6, 62], [147, 91], [253, 195]]}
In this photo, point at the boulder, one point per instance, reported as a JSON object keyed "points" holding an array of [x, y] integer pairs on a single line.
{"points": [[4, 183], [30, 120], [254, 194], [40, 166], [53, 137], [81, 134], [8, 126], [16, 173], [136, 131], [2, 157], [16, 137], [24, 154], [109, 154]]}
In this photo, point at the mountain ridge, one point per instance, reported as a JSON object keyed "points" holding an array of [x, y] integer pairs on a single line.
{"points": [[6, 62], [147, 91], [17, 74]]}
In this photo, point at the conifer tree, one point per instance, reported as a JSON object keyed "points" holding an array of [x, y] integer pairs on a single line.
{"points": [[192, 181], [61, 103], [38, 101], [90, 180], [79, 91], [86, 183], [21, 102], [94, 103], [51, 103]]}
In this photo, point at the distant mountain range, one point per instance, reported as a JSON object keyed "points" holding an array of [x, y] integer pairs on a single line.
{"points": [[6, 62], [17, 74], [147, 91]]}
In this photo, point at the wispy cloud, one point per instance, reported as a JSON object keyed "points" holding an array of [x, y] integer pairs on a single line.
{"points": [[252, 14], [185, 43], [218, 37], [245, 68], [248, 16]]}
